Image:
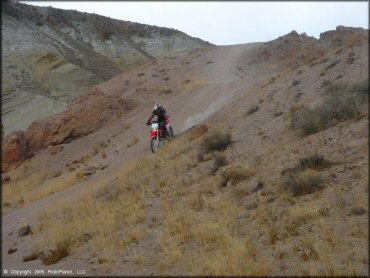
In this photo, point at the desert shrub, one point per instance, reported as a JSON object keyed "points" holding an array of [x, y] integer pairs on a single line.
{"points": [[219, 161], [305, 119], [234, 173], [215, 142], [302, 182], [358, 210], [207, 157], [298, 181], [60, 251], [313, 161], [33, 256], [252, 110], [340, 103]]}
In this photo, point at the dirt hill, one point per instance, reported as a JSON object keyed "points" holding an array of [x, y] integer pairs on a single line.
{"points": [[50, 56], [272, 180]]}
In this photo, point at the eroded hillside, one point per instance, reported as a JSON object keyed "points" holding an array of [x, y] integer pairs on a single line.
{"points": [[50, 56], [272, 181]]}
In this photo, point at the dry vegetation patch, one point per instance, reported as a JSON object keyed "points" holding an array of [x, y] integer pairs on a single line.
{"points": [[341, 103], [24, 189], [304, 178], [215, 141], [235, 173], [204, 229]]}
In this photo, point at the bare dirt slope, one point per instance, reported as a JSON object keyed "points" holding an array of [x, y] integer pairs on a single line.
{"points": [[176, 216]]}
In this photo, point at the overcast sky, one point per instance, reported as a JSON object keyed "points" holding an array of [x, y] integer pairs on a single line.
{"points": [[226, 23]]}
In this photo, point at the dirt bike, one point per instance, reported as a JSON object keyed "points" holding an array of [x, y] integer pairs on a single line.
{"points": [[156, 136]]}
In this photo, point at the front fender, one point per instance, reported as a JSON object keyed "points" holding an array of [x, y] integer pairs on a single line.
{"points": [[153, 134]]}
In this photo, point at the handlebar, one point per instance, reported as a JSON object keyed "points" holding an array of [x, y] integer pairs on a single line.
{"points": [[149, 122]]}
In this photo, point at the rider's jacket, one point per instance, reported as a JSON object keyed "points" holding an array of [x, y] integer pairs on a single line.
{"points": [[160, 112]]}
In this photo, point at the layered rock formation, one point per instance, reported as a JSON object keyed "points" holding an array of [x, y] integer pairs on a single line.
{"points": [[50, 56]]}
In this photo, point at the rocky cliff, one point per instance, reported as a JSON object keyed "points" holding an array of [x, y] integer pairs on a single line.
{"points": [[50, 56]]}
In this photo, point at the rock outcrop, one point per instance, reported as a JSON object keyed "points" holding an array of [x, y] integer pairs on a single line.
{"points": [[345, 37], [295, 49], [86, 114], [13, 150], [292, 49]]}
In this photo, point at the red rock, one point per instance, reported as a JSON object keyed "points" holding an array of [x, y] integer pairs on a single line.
{"points": [[83, 116], [14, 150], [55, 149]]}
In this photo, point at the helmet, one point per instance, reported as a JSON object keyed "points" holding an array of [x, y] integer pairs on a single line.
{"points": [[156, 106]]}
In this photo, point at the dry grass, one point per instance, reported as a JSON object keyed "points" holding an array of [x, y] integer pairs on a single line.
{"points": [[303, 178], [24, 190], [235, 173], [205, 229], [101, 216], [307, 248], [210, 232], [236, 258], [219, 160]]}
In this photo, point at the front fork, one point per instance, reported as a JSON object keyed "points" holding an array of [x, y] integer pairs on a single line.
{"points": [[158, 137]]}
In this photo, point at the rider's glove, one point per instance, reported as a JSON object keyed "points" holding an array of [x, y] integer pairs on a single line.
{"points": [[148, 123]]}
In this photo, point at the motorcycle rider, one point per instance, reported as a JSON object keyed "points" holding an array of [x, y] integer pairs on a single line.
{"points": [[162, 117]]}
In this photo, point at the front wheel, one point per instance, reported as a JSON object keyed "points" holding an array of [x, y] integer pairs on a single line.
{"points": [[154, 144]]}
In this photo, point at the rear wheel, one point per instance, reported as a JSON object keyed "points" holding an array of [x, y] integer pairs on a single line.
{"points": [[170, 131], [154, 144]]}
